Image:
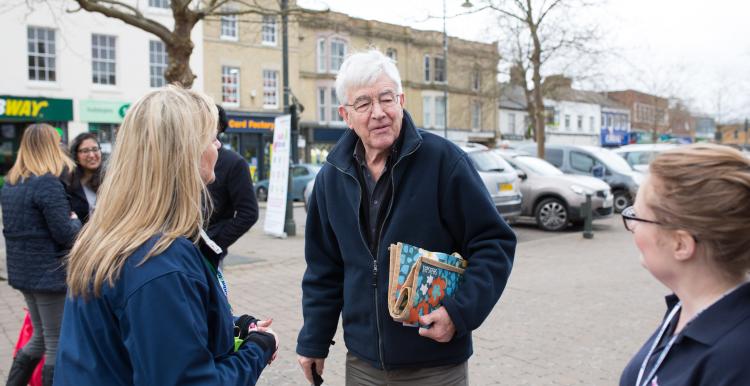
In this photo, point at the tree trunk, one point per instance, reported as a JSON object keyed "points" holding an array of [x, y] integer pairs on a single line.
{"points": [[536, 64], [180, 47]]}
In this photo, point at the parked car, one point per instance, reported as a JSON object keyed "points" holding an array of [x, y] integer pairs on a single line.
{"points": [[597, 162], [301, 175], [308, 192], [553, 198], [500, 179], [638, 156]]}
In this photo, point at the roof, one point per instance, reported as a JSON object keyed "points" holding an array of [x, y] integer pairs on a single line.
{"points": [[583, 96], [512, 97]]}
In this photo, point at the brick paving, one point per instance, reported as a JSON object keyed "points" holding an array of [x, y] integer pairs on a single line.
{"points": [[573, 313]]}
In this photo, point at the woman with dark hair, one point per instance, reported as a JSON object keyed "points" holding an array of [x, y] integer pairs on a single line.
{"points": [[84, 181]]}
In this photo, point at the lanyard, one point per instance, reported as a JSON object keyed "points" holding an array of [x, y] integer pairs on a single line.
{"points": [[216, 271], [664, 352]]}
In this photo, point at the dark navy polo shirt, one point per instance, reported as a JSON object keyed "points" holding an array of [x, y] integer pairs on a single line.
{"points": [[713, 349]]}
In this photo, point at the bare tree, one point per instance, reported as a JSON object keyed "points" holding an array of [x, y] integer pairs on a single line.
{"points": [[186, 14], [540, 34]]}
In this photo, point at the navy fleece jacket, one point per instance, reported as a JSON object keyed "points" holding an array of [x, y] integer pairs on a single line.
{"points": [[439, 203]]}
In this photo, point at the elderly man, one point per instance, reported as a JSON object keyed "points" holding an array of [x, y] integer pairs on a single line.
{"points": [[386, 182]]}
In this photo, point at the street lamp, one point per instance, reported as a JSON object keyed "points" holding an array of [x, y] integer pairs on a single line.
{"points": [[466, 4]]}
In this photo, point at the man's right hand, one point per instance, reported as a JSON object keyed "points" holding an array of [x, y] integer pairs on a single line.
{"points": [[306, 364]]}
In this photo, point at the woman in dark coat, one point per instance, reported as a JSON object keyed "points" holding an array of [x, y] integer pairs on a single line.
{"points": [[85, 180], [39, 229]]}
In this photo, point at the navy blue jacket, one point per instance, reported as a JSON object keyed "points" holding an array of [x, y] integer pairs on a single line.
{"points": [[165, 322], [438, 203], [38, 233], [712, 350]]}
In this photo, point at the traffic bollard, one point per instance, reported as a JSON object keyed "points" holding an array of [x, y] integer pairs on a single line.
{"points": [[588, 233]]}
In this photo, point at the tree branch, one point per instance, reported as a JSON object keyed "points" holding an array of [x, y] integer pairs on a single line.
{"points": [[135, 18]]}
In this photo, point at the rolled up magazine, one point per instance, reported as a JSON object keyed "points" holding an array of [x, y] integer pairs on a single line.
{"points": [[419, 280]]}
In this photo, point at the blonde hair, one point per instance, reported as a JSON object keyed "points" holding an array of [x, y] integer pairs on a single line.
{"points": [[705, 190], [153, 186], [40, 153]]}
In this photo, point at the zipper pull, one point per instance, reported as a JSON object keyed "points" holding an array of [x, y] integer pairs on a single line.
{"points": [[374, 273]]}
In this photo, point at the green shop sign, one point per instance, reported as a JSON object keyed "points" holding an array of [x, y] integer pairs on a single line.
{"points": [[98, 111], [13, 108]]}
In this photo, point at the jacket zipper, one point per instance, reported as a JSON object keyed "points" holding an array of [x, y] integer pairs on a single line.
{"points": [[377, 253]]}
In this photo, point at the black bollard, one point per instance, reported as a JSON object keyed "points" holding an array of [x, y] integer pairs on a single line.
{"points": [[588, 233]]}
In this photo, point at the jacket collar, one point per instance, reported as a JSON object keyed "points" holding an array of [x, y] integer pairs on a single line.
{"points": [[720, 317], [341, 155]]}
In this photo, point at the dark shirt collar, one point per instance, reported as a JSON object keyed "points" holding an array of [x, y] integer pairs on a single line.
{"points": [[719, 318], [359, 150]]}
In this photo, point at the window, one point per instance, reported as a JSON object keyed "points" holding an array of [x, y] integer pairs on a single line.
{"points": [[554, 156], [433, 111], [157, 63], [475, 80], [41, 44], [567, 121], [328, 109], [158, 3], [321, 55], [512, 123], [427, 75], [268, 30], [579, 122], [338, 53], [229, 26], [391, 53], [440, 112], [476, 115], [103, 59], [591, 123], [439, 69], [581, 162], [551, 115], [270, 86], [427, 103], [335, 117], [230, 85]]}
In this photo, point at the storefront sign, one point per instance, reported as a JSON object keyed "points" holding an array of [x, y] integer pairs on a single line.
{"points": [[99, 111], [14, 108], [277, 185], [614, 137], [243, 124]]}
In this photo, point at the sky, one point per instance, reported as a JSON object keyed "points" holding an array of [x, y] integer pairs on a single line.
{"points": [[696, 49]]}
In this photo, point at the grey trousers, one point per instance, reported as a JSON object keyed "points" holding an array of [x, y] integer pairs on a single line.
{"points": [[361, 373], [45, 311]]}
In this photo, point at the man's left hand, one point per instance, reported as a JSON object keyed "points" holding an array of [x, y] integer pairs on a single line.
{"points": [[441, 329]]}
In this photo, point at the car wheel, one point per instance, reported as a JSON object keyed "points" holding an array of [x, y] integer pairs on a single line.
{"points": [[552, 215], [261, 194], [621, 200]]}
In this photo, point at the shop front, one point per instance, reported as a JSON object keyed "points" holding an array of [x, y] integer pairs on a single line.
{"points": [[103, 118], [16, 113], [320, 139], [251, 135]]}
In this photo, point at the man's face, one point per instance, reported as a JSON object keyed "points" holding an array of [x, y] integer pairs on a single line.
{"points": [[375, 112]]}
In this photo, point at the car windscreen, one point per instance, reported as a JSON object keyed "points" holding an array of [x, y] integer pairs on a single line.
{"points": [[485, 161], [538, 166], [613, 161]]}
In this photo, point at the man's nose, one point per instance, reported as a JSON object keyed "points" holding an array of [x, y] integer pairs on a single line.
{"points": [[377, 110]]}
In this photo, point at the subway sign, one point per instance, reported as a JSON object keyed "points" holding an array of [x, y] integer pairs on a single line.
{"points": [[13, 108]]}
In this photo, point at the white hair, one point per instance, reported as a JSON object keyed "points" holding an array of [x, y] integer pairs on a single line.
{"points": [[362, 69]]}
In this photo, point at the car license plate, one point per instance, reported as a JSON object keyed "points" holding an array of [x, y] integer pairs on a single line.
{"points": [[505, 187]]}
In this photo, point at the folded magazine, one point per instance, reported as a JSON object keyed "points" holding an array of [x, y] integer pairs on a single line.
{"points": [[419, 280]]}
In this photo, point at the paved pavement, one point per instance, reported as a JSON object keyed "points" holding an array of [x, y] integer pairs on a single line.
{"points": [[573, 313]]}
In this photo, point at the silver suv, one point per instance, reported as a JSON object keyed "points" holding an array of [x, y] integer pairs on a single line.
{"points": [[499, 178]]}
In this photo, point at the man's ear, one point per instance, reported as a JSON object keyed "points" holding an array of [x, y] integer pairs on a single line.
{"points": [[684, 245], [344, 115]]}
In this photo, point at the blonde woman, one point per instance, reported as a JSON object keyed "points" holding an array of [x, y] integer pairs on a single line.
{"points": [[690, 222], [39, 228], [145, 307]]}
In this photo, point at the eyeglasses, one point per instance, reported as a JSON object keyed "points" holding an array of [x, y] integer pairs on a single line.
{"points": [[86, 150], [364, 104], [628, 216]]}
